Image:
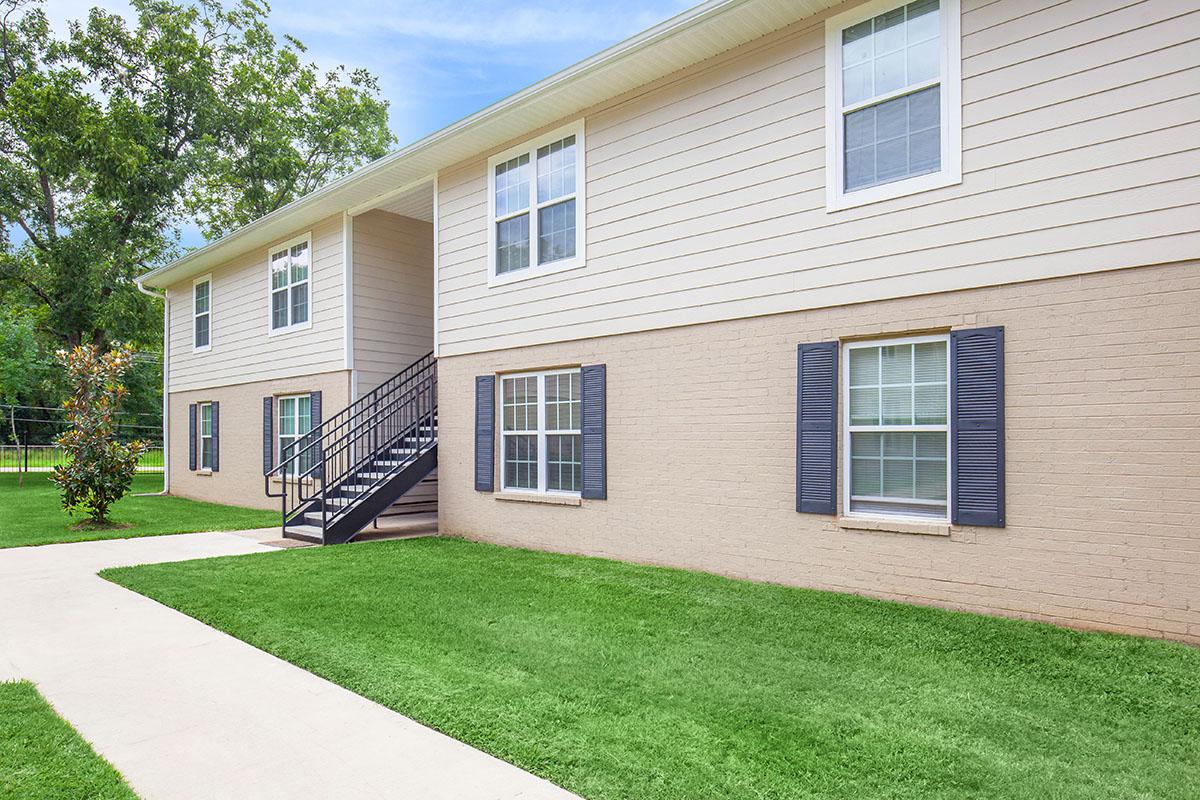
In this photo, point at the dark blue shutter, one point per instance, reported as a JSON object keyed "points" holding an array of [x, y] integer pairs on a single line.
{"points": [[816, 428], [314, 412], [268, 434], [192, 436], [485, 433], [977, 426], [216, 437], [593, 423]]}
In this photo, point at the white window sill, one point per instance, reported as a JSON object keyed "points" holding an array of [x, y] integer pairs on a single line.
{"points": [[529, 273], [289, 329], [534, 497], [204, 349], [839, 201], [884, 525]]}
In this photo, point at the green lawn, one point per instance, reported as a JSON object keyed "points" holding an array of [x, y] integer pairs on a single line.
{"points": [[622, 681], [32, 514], [42, 757]]}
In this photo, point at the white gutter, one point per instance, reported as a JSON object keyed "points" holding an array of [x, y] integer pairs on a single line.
{"points": [[166, 404]]}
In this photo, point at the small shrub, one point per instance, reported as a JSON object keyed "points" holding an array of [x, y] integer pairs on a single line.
{"points": [[99, 469]]}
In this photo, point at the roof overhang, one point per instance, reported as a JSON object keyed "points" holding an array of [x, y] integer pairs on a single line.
{"points": [[688, 38]]}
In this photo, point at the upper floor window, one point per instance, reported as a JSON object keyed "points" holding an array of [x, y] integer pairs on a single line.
{"points": [[893, 107], [535, 205], [289, 284], [202, 314]]}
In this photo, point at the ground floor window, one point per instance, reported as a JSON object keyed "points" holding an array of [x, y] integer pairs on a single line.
{"points": [[541, 432], [295, 420], [204, 435], [896, 435]]}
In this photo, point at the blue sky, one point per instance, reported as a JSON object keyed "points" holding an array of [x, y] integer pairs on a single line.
{"points": [[440, 60]]}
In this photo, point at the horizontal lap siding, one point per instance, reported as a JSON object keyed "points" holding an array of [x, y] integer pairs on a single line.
{"points": [[242, 351], [1102, 412], [706, 194], [393, 295]]}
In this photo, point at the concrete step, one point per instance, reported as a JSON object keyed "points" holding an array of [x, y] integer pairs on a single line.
{"points": [[307, 533]]}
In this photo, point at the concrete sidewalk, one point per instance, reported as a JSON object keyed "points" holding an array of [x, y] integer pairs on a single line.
{"points": [[185, 711]]}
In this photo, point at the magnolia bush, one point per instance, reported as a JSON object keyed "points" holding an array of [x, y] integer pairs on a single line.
{"points": [[99, 469]]}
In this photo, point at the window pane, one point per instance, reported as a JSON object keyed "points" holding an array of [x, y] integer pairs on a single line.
{"points": [[895, 139], [202, 331], [303, 414], [896, 49], [512, 185], [520, 404], [930, 404], [864, 405], [201, 296], [279, 309], [556, 169], [279, 269], [206, 419], [556, 232], [206, 454], [300, 303], [563, 463], [299, 262], [897, 478], [512, 244], [896, 363], [864, 366], [520, 462], [897, 405], [287, 416], [929, 362], [562, 402]]}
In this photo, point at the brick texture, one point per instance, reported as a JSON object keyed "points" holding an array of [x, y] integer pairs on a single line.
{"points": [[240, 479], [1103, 446]]}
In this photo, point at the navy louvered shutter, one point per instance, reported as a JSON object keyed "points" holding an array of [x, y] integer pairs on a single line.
{"points": [[977, 426], [216, 437], [485, 433], [816, 428], [314, 416], [593, 413], [268, 441], [192, 436]]}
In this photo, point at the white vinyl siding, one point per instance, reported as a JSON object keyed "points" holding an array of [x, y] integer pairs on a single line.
{"points": [[536, 207], [541, 447], [202, 314], [393, 295], [706, 190], [244, 350], [896, 436]]}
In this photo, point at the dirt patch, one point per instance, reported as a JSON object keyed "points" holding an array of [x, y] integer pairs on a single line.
{"points": [[88, 525]]}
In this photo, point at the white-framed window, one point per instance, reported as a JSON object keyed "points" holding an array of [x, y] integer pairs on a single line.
{"points": [[202, 314], [893, 101], [896, 441], [541, 448], [204, 435], [536, 207], [295, 420], [289, 283]]}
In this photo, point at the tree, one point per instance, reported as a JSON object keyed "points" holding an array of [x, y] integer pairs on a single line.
{"points": [[110, 135], [100, 468]]}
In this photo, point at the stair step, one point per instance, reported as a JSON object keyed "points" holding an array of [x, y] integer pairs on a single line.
{"points": [[307, 533]]}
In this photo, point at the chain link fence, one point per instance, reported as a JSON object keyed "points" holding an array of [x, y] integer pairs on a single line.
{"points": [[27, 435]]}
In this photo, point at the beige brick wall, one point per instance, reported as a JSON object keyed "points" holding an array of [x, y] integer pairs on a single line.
{"points": [[1103, 448], [240, 478]]}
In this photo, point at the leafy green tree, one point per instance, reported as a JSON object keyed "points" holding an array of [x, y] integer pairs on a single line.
{"points": [[100, 468], [109, 136]]}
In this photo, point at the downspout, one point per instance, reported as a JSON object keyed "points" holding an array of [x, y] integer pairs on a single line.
{"points": [[166, 405]]}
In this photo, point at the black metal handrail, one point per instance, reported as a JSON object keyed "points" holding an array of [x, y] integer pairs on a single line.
{"points": [[404, 408]]}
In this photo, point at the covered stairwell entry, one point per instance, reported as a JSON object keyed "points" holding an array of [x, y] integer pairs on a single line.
{"points": [[374, 457]]}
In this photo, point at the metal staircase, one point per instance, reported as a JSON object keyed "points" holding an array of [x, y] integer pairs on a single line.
{"points": [[346, 472]]}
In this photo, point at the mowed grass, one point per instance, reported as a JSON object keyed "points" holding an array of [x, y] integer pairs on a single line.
{"points": [[32, 514], [623, 681], [42, 757]]}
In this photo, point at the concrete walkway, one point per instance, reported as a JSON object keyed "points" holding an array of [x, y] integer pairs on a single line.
{"points": [[185, 711]]}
